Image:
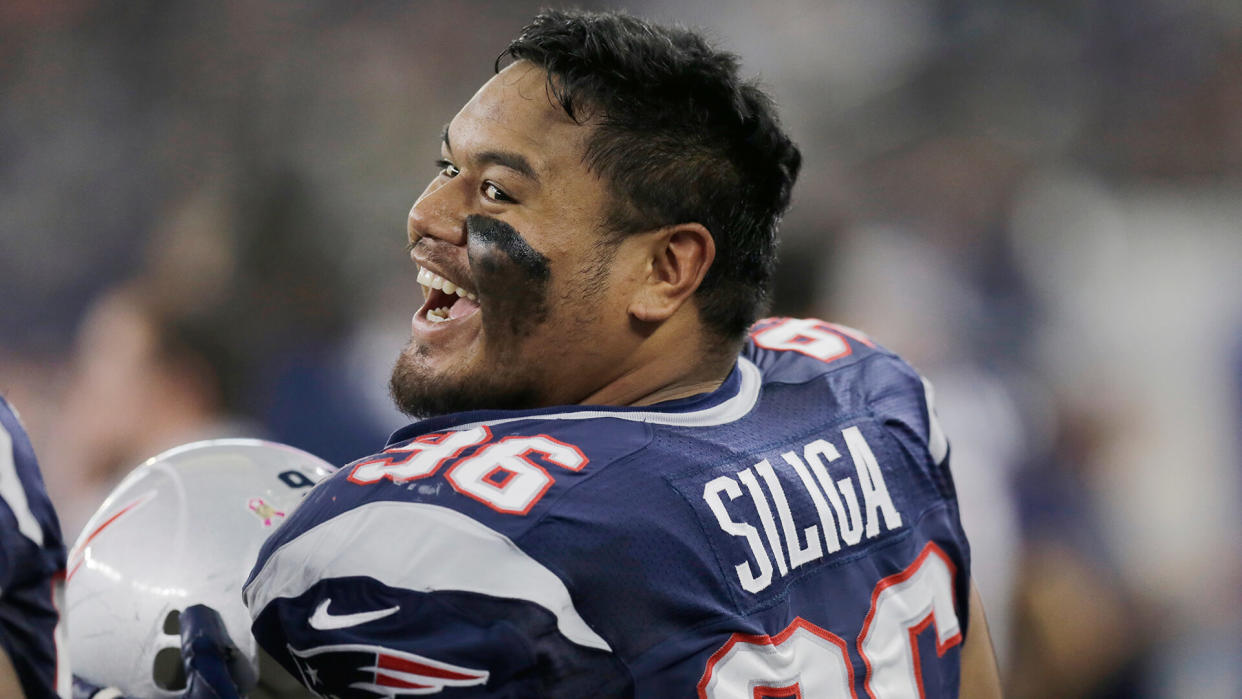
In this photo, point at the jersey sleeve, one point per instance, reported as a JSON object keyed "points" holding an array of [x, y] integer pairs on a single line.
{"points": [[905, 400], [878, 586], [32, 565], [420, 599]]}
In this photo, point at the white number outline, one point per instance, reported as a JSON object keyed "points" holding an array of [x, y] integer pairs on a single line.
{"points": [[822, 340], [931, 574], [741, 646], [402, 464], [478, 486], [925, 576]]}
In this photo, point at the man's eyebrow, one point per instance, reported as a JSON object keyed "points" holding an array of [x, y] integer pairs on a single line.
{"points": [[514, 161], [504, 158]]}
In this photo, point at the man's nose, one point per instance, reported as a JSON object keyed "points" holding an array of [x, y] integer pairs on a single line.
{"points": [[438, 213]]}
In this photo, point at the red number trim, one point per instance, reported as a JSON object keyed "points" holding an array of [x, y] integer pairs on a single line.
{"points": [[792, 690], [937, 582], [398, 456], [792, 344], [928, 550], [466, 487], [765, 640]]}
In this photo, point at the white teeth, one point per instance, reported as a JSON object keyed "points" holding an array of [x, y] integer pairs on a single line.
{"points": [[438, 315], [432, 280]]}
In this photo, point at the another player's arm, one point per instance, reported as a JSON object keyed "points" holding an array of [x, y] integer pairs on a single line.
{"points": [[980, 676], [213, 666]]}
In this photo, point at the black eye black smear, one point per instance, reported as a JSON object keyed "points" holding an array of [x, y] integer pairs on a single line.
{"points": [[511, 276], [489, 231]]}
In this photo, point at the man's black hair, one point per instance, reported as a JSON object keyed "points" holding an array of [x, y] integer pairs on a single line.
{"points": [[679, 137]]}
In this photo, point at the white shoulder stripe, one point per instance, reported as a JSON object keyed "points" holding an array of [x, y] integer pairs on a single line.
{"points": [[14, 493], [420, 547], [730, 410], [937, 443]]}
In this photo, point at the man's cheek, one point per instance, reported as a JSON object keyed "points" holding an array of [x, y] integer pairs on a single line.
{"points": [[511, 277]]}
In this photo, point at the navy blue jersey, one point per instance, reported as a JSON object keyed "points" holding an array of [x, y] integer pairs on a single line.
{"points": [[32, 567], [793, 533]]}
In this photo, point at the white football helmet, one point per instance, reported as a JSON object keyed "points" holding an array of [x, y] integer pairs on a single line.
{"points": [[183, 528]]}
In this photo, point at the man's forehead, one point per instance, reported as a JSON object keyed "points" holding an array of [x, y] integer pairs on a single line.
{"points": [[516, 109]]}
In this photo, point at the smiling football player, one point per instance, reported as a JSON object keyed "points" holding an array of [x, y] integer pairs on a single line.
{"points": [[619, 483]]}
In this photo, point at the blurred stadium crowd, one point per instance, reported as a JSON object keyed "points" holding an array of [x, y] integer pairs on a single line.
{"points": [[1038, 203]]}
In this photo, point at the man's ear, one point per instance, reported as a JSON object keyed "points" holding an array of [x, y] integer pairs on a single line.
{"points": [[678, 258]]}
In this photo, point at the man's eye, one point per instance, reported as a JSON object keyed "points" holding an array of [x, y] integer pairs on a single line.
{"points": [[491, 191], [447, 169]]}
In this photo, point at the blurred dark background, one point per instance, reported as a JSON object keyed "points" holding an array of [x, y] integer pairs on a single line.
{"points": [[1038, 203]]}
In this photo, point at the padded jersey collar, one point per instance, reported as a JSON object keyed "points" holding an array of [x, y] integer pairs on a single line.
{"points": [[732, 400]]}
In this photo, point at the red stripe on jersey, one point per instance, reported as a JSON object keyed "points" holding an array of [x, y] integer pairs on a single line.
{"points": [[390, 681], [388, 662]]}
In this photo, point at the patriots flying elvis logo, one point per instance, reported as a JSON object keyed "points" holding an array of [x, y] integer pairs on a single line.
{"points": [[381, 671]]}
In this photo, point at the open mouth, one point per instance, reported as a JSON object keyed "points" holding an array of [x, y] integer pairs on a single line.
{"points": [[445, 300]]}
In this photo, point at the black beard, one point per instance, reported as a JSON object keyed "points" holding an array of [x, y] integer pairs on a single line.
{"points": [[421, 395], [512, 283]]}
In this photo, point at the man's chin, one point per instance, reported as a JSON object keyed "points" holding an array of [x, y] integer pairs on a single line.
{"points": [[421, 392]]}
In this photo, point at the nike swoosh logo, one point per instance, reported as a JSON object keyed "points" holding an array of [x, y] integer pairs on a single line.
{"points": [[323, 621]]}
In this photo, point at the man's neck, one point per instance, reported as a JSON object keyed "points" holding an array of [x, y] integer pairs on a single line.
{"points": [[680, 391], [668, 376]]}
